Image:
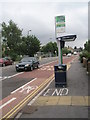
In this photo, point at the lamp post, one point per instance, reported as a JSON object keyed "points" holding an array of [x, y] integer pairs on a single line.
{"points": [[50, 54], [29, 31]]}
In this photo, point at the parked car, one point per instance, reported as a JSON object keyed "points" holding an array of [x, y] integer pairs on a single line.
{"points": [[69, 54], [27, 63], [5, 61]]}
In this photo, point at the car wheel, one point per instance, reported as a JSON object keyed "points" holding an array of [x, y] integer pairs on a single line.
{"points": [[37, 66], [17, 70], [3, 65], [31, 68]]}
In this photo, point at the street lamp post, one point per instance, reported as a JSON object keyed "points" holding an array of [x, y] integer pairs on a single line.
{"points": [[29, 31], [50, 53]]}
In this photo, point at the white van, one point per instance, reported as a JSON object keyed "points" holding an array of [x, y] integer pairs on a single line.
{"points": [[75, 53]]}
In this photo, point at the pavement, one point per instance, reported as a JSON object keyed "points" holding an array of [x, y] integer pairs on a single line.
{"points": [[19, 97], [70, 102]]}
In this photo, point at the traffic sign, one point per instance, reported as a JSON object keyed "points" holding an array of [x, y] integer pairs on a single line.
{"points": [[59, 25]]}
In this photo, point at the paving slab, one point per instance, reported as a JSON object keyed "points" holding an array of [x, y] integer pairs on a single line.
{"points": [[78, 100], [52, 100], [74, 105], [65, 100]]}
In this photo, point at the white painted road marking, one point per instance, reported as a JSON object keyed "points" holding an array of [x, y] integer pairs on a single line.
{"points": [[23, 86], [32, 101], [48, 68], [5, 77], [7, 103], [56, 92], [45, 94], [27, 89], [61, 92]]}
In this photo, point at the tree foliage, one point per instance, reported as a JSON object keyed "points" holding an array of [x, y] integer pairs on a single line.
{"points": [[65, 50], [50, 48], [12, 35], [87, 46], [31, 45], [11, 39], [75, 47], [86, 52], [14, 44]]}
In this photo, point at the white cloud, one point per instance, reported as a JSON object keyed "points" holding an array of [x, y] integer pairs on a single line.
{"points": [[39, 17]]}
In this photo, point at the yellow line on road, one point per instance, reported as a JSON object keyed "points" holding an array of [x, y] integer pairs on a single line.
{"points": [[26, 99]]}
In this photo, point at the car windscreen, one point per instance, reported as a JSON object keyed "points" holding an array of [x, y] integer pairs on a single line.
{"points": [[27, 60]]}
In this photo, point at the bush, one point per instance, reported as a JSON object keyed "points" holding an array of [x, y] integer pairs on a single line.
{"points": [[65, 51], [85, 54], [13, 56], [18, 58], [81, 57]]}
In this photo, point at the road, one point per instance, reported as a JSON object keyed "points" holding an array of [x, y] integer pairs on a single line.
{"points": [[9, 81], [56, 102], [18, 89], [10, 70]]}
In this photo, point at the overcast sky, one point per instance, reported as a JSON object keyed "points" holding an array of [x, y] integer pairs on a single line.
{"points": [[39, 17]]}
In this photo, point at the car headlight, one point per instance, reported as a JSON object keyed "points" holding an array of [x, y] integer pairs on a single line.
{"points": [[26, 65], [17, 65]]}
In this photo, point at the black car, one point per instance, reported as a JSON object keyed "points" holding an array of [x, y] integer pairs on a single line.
{"points": [[27, 63]]}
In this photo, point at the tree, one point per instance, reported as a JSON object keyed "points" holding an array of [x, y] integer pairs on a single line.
{"points": [[50, 48], [11, 38], [30, 45], [86, 52], [55, 48], [15, 45], [75, 47], [80, 49], [87, 46], [65, 50]]}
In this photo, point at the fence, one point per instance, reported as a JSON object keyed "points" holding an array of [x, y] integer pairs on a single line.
{"points": [[86, 64]]}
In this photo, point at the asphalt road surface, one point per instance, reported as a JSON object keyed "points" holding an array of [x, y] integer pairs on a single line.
{"points": [[18, 88], [10, 70], [51, 104], [9, 82]]}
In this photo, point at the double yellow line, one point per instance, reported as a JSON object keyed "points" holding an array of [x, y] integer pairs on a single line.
{"points": [[26, 99]]}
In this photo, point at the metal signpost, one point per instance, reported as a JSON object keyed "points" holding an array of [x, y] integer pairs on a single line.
{"points": [[60, 69], [59, 28]]}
